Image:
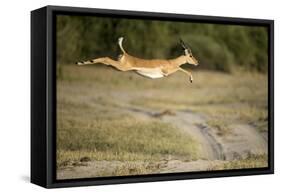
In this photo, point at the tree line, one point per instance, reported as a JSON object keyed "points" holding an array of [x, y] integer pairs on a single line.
{"points": [[217, 46]]}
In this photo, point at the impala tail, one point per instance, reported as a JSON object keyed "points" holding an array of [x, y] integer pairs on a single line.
{"points": [[120, 41]]}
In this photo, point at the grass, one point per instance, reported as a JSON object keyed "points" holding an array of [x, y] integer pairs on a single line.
{"points": [[221, 126], [102, 133], [232, 97], [91, 121], [252, 161], [135, 169], [124, 139]]}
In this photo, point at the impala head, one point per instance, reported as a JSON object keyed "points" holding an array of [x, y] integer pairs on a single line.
{"points": [[188, 54]]}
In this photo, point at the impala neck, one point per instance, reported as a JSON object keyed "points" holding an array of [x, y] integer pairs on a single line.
{"points": [[180, 60]]}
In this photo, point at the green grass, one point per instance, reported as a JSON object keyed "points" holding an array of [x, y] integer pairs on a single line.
{"points": [[103, 134]]}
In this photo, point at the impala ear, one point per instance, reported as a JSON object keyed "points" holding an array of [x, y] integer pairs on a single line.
{"points": [[183, 44], [186, 48]]}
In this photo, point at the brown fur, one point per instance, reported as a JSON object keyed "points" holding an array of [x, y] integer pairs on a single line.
{"points": [[127, 62]]}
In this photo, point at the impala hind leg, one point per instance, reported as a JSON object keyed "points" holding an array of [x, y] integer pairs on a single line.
{"points": [[188, 73], [106, 61]]}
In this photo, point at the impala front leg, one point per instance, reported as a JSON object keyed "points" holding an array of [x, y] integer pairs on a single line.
{"points": [[188, 73]]}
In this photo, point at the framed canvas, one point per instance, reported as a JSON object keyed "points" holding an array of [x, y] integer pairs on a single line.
{"points": [[124, 96]]}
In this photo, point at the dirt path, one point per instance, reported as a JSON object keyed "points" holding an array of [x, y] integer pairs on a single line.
{"points": [[215, 150], [189, 122], [243, 140]]}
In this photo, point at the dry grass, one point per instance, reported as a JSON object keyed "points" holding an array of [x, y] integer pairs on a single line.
{"points": [[91, 122], [252, 161], [221, 126], [135, 169]]}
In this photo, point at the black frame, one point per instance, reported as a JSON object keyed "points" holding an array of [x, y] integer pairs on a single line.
{"points": [[43, 96]]}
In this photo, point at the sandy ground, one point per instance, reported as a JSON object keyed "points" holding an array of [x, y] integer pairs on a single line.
{"points": [[215, 149]]}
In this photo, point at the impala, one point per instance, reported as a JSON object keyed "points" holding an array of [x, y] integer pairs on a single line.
{"points": [[151, 68]]}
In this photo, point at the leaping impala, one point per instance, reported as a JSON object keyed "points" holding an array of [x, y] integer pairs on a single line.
{"points": [[151, 68]]}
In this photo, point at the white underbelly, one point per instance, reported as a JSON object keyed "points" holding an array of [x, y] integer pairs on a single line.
{"points": [[150, 72]]}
